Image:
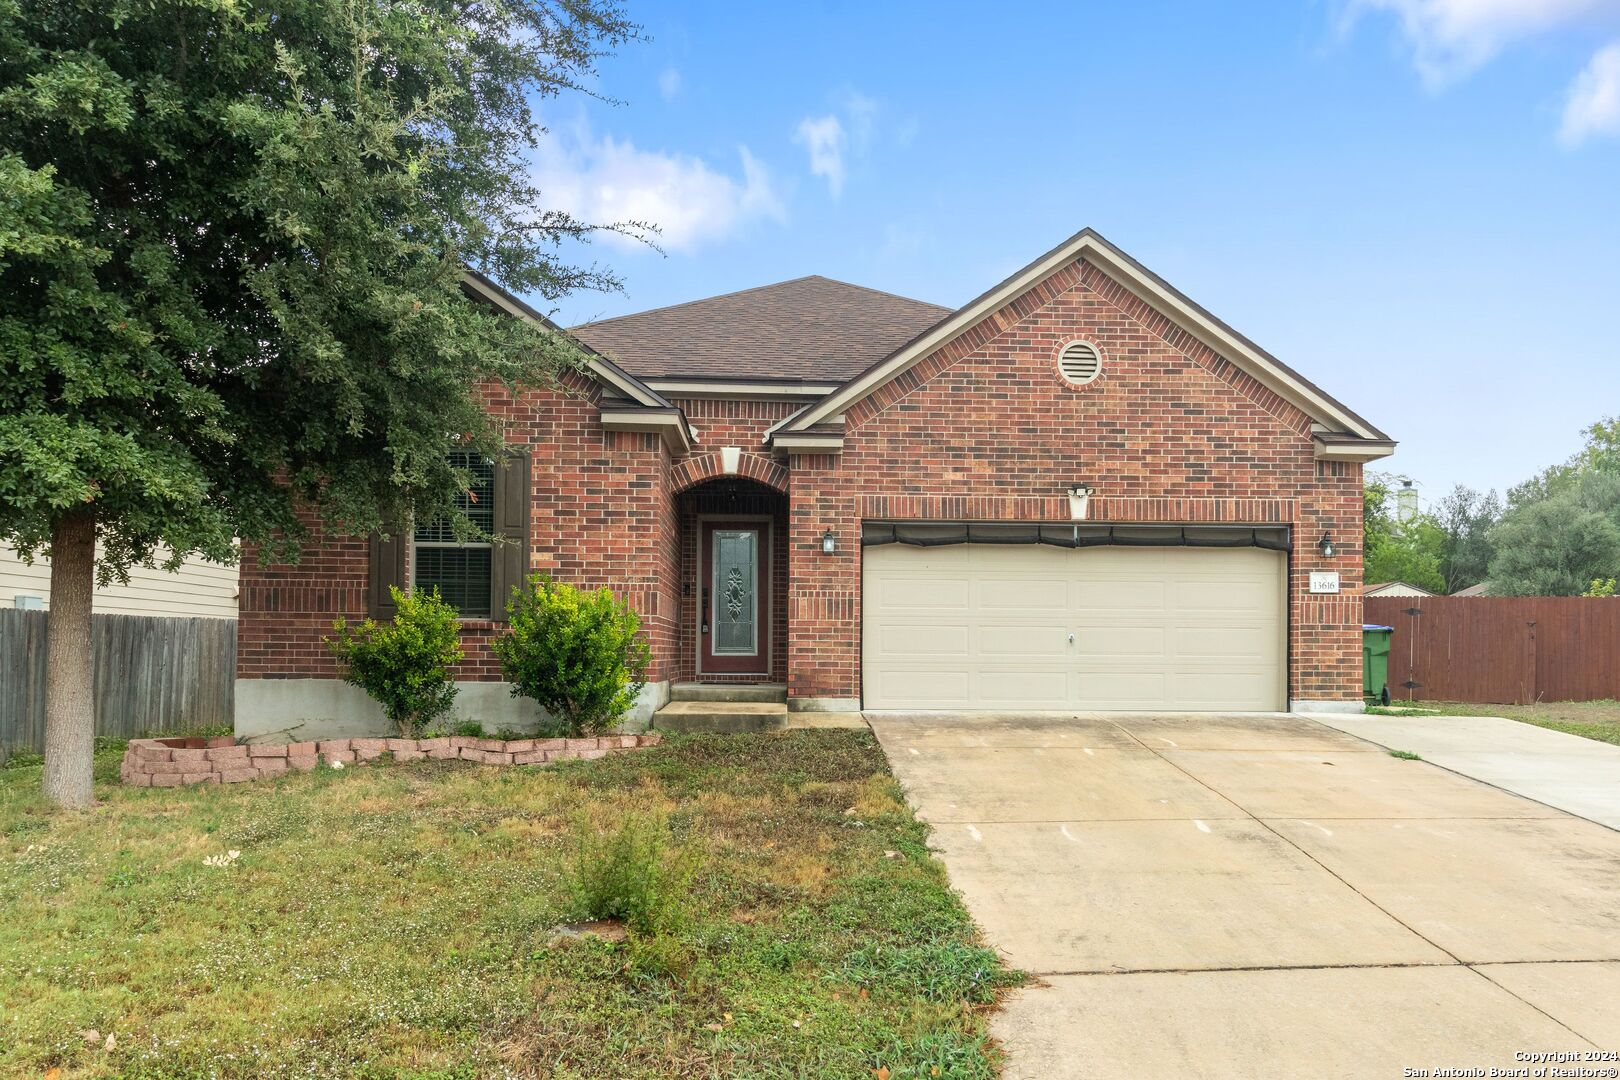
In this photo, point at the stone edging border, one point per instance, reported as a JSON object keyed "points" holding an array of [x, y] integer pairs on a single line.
{"points": [[222, 760]]}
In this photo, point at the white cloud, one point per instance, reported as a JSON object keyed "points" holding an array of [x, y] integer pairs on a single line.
{"points": [[1452, 38], [609, 180], [862, 112], [670, 83], [1593, 106], [823, 137]]}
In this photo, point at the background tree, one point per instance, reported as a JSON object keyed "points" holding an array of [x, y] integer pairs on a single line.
{"points": [[1557, 545], [230, 243], [1466, 517], [1553, 548], [1408, 551]]}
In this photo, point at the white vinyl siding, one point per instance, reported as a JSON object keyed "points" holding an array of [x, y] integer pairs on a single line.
{"points": [[198, 588], [988, 626]]}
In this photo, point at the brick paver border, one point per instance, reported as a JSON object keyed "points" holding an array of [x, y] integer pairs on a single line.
{"points": [[223, 760]]}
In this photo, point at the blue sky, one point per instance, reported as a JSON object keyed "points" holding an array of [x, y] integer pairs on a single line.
{"points": [[1416, 203]]}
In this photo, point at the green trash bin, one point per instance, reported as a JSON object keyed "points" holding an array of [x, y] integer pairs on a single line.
{"points": [[1375, 662]]}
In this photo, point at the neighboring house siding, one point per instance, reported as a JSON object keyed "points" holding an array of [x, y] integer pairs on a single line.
{"points": [[1396, 588], [985, 429], [197, 589]]}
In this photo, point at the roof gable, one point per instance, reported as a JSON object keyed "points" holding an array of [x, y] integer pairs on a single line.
{"points": [[810, 328], [1189, 319]]}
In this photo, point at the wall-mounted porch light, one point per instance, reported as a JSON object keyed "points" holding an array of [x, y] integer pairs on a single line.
{"points": [[1079, 501], [1325, 546], [829, 542]]}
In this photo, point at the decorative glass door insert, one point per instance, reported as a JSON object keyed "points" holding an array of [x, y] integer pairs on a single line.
{"points": [[734, 604], [735, 619]]}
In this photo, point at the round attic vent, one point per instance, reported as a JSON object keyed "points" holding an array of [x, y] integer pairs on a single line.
{"points": [[1079, 362]]}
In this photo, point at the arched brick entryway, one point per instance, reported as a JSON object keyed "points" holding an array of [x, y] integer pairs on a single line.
{"points": [[701, 468], [731, 497]]}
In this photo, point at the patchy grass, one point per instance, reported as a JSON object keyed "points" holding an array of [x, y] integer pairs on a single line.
{"points": [[1405, 755], [397, 921], [1591, 719]]}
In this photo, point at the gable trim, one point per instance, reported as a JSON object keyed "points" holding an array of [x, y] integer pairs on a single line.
{"points": [[603, 369], [1136, 278]]}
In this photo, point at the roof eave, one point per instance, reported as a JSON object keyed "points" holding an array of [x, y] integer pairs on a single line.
{"points": [[605, 370], [669, 423]]}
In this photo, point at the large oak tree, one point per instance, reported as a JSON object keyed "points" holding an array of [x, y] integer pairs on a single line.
{"points": [[231, 235]]}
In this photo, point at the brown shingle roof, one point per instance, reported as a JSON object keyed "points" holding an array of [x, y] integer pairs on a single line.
{"points": [[809, 328]]}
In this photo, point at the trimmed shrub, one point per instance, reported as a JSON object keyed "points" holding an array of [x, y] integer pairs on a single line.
{"points": [[578, 654], [404, 664]]}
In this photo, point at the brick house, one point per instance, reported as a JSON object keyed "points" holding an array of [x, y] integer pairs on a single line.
{"points": [[1077, 491]]}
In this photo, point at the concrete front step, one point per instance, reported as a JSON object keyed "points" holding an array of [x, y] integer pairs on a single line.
{"points": [[697, 691], [721, 717]]}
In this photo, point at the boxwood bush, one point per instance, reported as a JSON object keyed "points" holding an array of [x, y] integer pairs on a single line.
{"points": [[578, 654], [404, 664]]}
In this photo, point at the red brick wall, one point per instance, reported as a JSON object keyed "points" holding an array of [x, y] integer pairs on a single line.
{"points": [[986, 429], [283, 611], [600, 517]]}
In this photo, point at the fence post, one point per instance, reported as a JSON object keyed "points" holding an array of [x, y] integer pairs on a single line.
{"points": [[1534, 678], [1411, 684]]}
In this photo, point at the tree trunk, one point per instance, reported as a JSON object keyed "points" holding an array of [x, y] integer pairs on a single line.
{"points": [[70, 708]]}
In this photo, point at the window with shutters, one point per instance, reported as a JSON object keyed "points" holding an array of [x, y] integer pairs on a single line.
{"points": [[460, 571]]}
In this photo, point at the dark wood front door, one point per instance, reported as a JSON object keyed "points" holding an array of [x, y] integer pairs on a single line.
{"points": [[733, 620]]}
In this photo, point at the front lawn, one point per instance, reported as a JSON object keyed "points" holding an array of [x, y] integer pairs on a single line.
{"points": [[1593, 719], [399, 920]]}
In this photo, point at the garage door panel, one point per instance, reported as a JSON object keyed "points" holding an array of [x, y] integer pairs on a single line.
{"points": [[1021, 596], [1123, 595], [988, 626], [921, 688], [1223, 643], [1024, 689], [1231, 690], [1123, 689], [925, 593], [1230, 595], [1119, 642], [925, 640], [1015, 640]]}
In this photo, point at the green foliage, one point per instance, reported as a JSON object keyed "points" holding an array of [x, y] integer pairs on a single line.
{"points": [[1601, 587], [1557, 545], [231, 244], [302, 971], [1405, 755], [1466, 518], [1409, 551], [630, 873], [941, 971], [578, 654], [404, 664]]}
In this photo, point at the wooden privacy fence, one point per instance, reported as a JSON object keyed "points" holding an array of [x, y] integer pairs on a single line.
{"points": [[1503, 650], [151, 674]]}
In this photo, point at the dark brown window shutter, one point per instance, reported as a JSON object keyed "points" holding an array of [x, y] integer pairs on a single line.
{"points": [[509, 566], [387, 568]]}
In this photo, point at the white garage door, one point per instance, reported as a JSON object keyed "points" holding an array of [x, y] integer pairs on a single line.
{"points": [[1003, 626]]}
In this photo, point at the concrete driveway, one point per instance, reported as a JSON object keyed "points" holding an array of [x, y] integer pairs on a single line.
{"points": [[1230, 896]]}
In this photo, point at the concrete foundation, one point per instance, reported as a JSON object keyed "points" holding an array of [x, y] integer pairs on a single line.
{"points": [[301, 709], [824, 704], [1300, 706]]}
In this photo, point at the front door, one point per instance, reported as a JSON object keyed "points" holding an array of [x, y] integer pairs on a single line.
{"points": [[732, 619]]}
